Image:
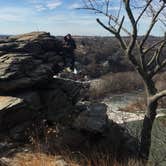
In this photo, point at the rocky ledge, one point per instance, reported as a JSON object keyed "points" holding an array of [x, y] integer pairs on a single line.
{"points": [[30, 92], [29, 59], [32, 98]]}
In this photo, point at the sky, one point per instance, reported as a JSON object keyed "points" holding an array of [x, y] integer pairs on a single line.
{"points": [[56, 16]]}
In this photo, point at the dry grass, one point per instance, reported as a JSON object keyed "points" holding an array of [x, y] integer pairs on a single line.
{"points": [[95, 159], [138, 106], [34, 159], [115, 82], [122, 82], [40, 155]]}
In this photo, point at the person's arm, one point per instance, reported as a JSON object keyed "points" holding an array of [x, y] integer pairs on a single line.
{"points": [[74, 44]]}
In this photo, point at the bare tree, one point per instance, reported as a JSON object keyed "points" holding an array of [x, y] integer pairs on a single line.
{"points": [[150, 59]]}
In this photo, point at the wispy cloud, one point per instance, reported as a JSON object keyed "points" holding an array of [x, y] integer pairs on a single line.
{"points": [[42, 5], [53, 4], [75, 5], [15, 14], [114, 8]]}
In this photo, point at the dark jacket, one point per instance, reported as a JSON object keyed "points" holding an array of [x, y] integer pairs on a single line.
{"points": [[71, 44]]}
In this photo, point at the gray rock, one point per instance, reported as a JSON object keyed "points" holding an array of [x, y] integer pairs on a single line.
{"points": [[26, 60], [59, 98], [18, 133], [57, 104], [19, 109], [4, 161], [28, 63], [59, 161], [70, 87], [7, 102], [94, 119]]}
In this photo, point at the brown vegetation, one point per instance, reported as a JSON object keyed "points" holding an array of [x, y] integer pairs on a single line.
{"points": [[70, 159], [140, 106], [123, 82], [114, 83], [42, 152], [137, 106]]}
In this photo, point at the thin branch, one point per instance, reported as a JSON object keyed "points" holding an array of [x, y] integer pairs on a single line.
{"points": [[153, 46], [152, 59], [110, 29], [158, 68], [121, 24], [107, 2], [158, 96], [143, 11], [153, 22], [134, 27], [110, 17], [157, 54], [115, 32], [133, 37], [120, 8]]}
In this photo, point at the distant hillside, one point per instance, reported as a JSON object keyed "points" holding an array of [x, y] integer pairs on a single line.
{"points": [[3, 36], [99, 55]]}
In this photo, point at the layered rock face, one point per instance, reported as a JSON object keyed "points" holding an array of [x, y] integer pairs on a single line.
{"points": [[26, 60], [29, 94], [27, 87]]}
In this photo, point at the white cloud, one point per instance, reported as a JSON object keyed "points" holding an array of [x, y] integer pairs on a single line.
{"points": [[53, 4], [42, 5], [14, 14], [114, 8], [75, 5]]}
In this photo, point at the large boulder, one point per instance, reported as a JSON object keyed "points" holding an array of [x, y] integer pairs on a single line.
{"points": [[19, 109], [28, 91], [26, 60], [59, 98], [93, 119]]}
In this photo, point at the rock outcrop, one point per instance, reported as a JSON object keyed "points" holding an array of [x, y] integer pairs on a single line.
{"points": [[93, 118], [28, 90], [26, 60], [33, 99]]}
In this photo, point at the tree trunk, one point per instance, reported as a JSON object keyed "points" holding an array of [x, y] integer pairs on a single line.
{"points": [[149, 118], [147, 129]]}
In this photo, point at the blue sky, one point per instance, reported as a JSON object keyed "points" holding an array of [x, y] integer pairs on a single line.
{"points": [[56, 16]]}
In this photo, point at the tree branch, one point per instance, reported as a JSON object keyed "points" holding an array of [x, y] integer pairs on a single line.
{"points": [[133, 40], [115, 32], [157, 54], [158, 96], [110, 17], [143, 11], [153, 22], [158, 68], [153, 46], [134, 27]]}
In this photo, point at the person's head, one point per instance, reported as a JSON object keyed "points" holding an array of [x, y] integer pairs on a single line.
{"points": [[69, 36], [65, 38]]}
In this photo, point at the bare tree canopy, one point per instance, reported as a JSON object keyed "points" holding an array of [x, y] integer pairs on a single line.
{"points": [[150, 58]]}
